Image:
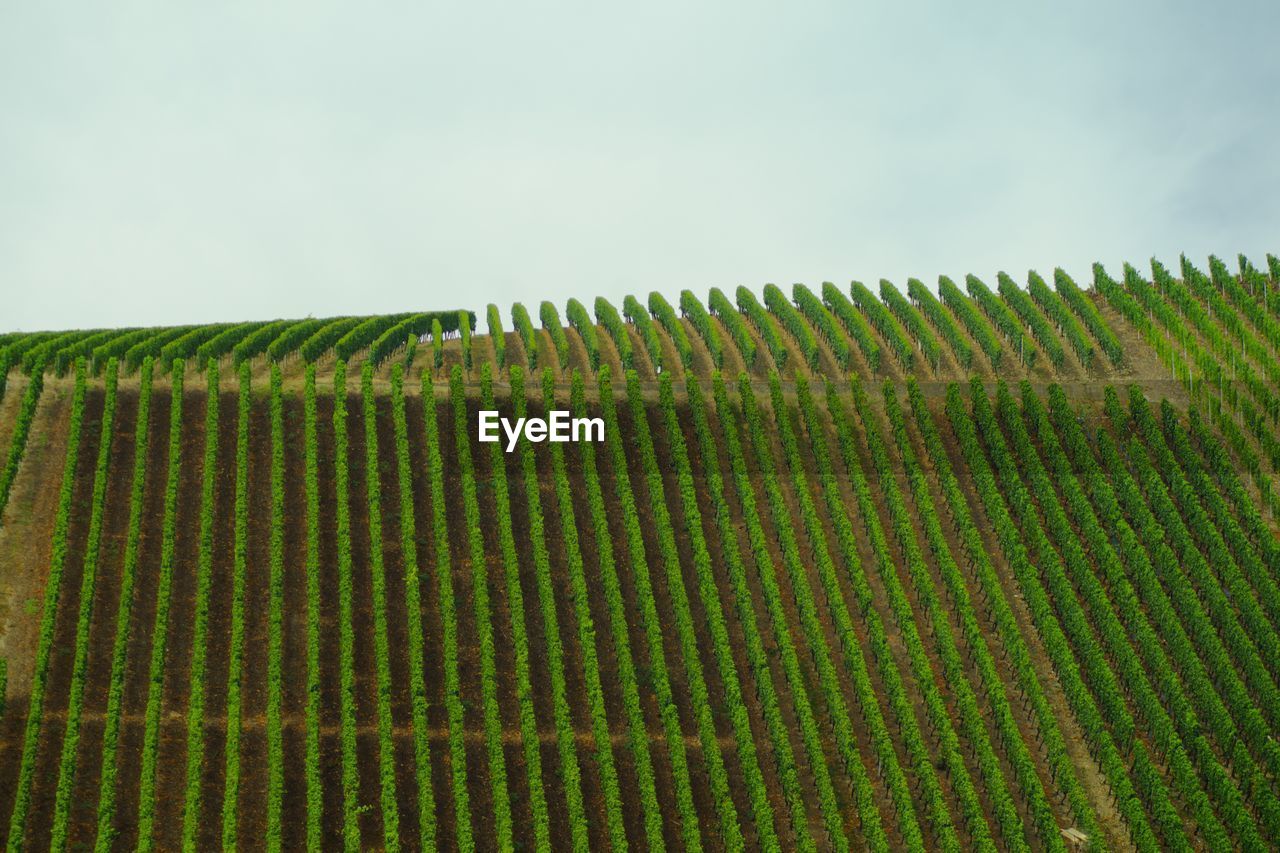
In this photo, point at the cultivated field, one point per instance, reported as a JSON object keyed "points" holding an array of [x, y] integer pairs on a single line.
{"points": [[948, 567]]}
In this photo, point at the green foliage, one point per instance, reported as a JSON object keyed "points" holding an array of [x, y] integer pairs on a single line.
{"points": [[911, 321], [437, 344], [1103, 726], [1247, 555], [410, 350], [502, 825], [404, 333], [365, 333], [497, 335], [413, 617], [691, 307], [823, 323], [854, 322], [757, 660], [88, 582], [1013, 644], [566, 738], [1219, 273], [619, 453], [977, 325], [275, 612], [381, 335], [719, 306], [464, 335], [17, 347], [227, 340], [239, 548], [1025, 309], [288, 341], [327, 336], [1151, 503], [259, 340], [160, 624], [524, 328], [48, 621], [147, 345], [607, 316], [709, 597], [666, 317], [764, 323], [971, 723], [1121, 623], [934, 311], [934, 807], [21, 432], [578, 317], [730, 831], [311, 487], [550, 318], [1220, 465], [1248, 294], [1136, 313], [1219, 295], [529, 737], [1002, 317], [586, 632], [791, 320], [346, 624], [884, 322], [193, 801], [39, 356], [637, 732], [107, 792], [1013, 745], [1151, 310], [1139, 556], [187, 346], [1205, 530], [449, 619], [1082, 306], [1148, 557], [814, 634], [65, 357], [638, 315], [1221, 350], [378, 585]]}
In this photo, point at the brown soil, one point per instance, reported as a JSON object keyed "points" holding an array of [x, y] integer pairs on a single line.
{"points": [[1088, 772], [10, 403], [102, 630], [62, 649], [26, 528], [25, 546]]}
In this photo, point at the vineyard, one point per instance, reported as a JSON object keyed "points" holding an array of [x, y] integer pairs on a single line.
{"points": [[966, 565]]}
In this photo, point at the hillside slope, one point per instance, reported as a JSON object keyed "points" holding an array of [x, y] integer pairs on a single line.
{"points": [[816, 590]]}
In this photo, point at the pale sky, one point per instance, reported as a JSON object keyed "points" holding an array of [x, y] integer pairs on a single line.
{"points": [[179, 163]]}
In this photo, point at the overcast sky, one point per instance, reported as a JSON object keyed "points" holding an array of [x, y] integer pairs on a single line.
{"points": [[218, 162]]}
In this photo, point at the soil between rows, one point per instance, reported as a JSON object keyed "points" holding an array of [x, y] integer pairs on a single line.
{"points": [[252, 804]]}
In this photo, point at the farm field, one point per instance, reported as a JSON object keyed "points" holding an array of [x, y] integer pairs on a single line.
{"points": [[966, 565]]}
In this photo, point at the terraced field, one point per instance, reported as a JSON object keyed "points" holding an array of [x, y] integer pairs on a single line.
{"points": [[934, 567]]}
